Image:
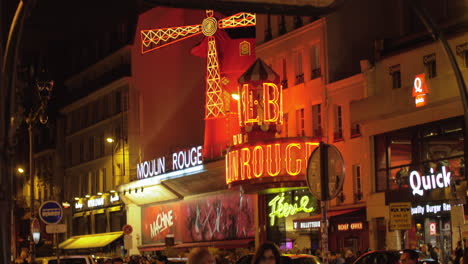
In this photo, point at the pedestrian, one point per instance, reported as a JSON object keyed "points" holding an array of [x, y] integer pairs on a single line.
{"points": [[409, 256], [465, 254], [117, 261], [200, 256], [423, 250], [349, 256], [458, 254], [267, 253], [339, 258], [332, 257], [432, 252]]}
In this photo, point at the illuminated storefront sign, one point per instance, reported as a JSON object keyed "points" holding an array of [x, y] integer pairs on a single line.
{"points": [[78, 205], [306, 225], [95, 202], [281, 157], [420, 90], [430, 209], [419, 183], [114, 198], [279, 208], [351, 226], [178, 161], [432, 229]]}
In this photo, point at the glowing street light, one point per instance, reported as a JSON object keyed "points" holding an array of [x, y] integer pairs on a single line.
{"points": [[20, 170], [235, 96], [110, 140]]}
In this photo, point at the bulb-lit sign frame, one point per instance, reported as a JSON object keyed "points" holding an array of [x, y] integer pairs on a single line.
{"points": [[280, 157]]}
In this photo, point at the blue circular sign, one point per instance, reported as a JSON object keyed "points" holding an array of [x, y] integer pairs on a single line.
{"points": [[50, 212]]}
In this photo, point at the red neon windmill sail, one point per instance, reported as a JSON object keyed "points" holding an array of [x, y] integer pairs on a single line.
{"points": [[215, 114]]}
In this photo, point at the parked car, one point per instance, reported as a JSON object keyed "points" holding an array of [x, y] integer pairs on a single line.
{"points": [[390, 257], [285, 259], [66, 260]]}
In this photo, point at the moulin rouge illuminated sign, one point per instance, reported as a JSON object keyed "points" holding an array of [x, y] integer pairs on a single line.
{"points": [[279, 208], [179, 161], [275, 158], [419, 183]]}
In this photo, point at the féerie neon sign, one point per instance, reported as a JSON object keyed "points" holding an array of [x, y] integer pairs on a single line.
{"points": [[419, 183], [279, 208]]}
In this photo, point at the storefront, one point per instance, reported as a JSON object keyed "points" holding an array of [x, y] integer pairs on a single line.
{"points": [[424, 166], [97, 225]]}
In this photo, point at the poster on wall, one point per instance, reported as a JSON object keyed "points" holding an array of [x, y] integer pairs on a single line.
{"points": [[220, 217], [400, 216]]}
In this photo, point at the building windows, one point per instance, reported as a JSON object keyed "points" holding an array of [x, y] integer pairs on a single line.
{"points": [[82, 151], [317, 121], [285, 124], [424, 148], [355, 130], [430, 65], [300, 122], [91, 148], [338, 132], [357, 183], [395, 73], [315, 62], [284, 77], [462, 51], [298, 67]]}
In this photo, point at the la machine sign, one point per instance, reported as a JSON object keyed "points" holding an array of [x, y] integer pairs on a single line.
{"points": [[179, 160], [420, 183]]}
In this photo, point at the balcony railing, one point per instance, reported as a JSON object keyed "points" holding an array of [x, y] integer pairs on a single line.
{"points": [[316, 73], [300, 78]]}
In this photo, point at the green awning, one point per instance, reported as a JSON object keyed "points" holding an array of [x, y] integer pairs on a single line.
{"points": [[90, 241]]}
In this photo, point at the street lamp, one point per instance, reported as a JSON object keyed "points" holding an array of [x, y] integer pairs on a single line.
{"points": [[111, 140], [20, 170], [37, 113]]}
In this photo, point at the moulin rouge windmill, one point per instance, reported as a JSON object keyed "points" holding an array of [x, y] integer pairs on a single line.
{"points": [[215, 114]]}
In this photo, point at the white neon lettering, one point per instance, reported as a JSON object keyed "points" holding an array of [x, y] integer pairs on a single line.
{"points": [[419, 183], [417, 85]]}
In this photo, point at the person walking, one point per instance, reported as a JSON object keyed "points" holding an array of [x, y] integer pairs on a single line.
{"points": [[458, 254], [267, 253], [200, 256]]}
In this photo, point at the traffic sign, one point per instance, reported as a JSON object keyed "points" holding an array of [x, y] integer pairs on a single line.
{"points": [[50, 212], [334, 172], [127, 229], [56, 228], [35, 230]]}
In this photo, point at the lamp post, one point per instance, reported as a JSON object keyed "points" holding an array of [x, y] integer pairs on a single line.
{"points": [[36, 114], [111, 140]]}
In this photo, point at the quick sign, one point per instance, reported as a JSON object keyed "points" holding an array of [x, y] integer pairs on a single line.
{"points": [[419, 183], [420, 90], [178, 161], [279, 208]]}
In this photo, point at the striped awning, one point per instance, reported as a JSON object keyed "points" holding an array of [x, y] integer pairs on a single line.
{"points": [[258, 73]]}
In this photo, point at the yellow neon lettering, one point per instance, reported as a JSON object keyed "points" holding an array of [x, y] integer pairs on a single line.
{"points": [[280, 209], [276, 161], [258, 161], [288, 160], [272, 108], [245, 166]]}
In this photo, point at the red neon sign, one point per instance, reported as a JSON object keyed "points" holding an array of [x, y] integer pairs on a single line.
{"points": [[275, 158], [261, 105], [420, 90]]}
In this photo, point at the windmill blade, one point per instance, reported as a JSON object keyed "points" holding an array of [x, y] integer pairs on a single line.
{"points": [[242, 19], [157, 38], [214, 92]]}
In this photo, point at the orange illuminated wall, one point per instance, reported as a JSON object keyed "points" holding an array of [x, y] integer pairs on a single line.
{"points": [[279, 157]]}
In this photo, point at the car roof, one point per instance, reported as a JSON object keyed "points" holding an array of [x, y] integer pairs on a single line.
{"points": [[64, 257]]}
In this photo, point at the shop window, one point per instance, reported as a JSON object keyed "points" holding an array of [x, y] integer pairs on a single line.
{"points": [[395, 73], [317, 121], [100, 223], [338, 132], [300, 122], [425, 147], [430, 65]]}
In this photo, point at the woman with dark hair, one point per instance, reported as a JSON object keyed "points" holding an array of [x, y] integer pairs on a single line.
{"points": [[267, 253]]}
